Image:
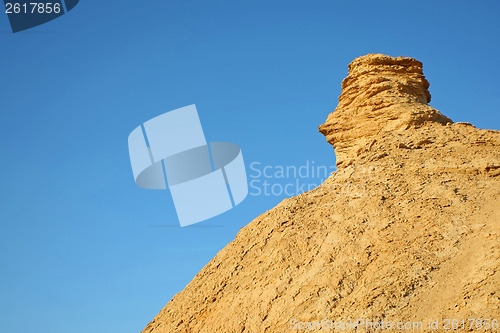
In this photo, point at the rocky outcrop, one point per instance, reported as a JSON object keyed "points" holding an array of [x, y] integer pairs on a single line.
{"points": [[380, 94], [407, 230]]}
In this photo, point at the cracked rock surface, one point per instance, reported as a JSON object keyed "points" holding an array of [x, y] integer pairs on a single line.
{"points": [[407, 228]]}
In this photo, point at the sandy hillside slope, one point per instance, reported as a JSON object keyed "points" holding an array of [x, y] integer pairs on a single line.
{"points": [[406, 230]]}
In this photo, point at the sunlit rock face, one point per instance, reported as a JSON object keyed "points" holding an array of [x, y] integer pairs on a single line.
{"points": [[380, 93], [406, 230]]}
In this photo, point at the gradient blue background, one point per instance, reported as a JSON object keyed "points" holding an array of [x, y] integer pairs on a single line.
{"points": [[82, 249]]}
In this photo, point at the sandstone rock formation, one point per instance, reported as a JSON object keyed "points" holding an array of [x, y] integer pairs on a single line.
{"points": [[381, 93], [407, 229]]}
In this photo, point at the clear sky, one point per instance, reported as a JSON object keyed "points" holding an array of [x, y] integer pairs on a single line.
{"points": [[82, 248]]}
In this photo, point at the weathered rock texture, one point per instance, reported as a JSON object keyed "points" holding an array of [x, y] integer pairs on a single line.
{"points": [[380, 94], [407, 229]]}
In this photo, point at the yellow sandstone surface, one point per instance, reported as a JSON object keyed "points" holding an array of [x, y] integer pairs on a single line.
{"points": [[407, 229]]}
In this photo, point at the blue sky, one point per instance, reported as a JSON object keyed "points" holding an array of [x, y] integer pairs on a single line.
{"points": [[82, 248]]}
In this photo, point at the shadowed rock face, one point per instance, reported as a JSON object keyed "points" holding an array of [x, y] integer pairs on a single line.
{"points": [[407, 229], [381, 93]]}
